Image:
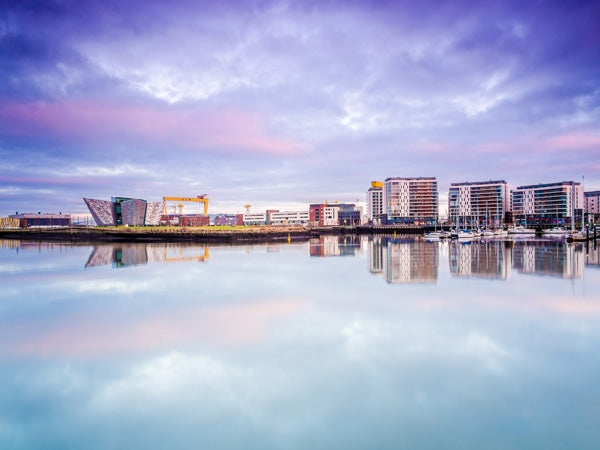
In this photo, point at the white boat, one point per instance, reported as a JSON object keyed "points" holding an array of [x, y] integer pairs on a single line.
{"points": [[466, 234], [434, 235], [556, 231], [521, 230], [500, 233]]}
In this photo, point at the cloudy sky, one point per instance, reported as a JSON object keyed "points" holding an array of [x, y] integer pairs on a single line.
{"points": [[279, 104]]}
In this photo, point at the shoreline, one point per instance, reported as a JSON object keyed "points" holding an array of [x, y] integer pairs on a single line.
{"points": [[210, 234]]}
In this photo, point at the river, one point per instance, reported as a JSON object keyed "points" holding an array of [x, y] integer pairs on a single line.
{"points": [[340, 342]]}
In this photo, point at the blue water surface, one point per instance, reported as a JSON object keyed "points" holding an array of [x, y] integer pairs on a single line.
{"points": [[341, 342]]}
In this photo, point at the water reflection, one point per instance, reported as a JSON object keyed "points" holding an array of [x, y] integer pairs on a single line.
{"points": [[417, 261], [123, 255], [549, 258], [404, 260], [349, 245], [485, 259], [396, 260], [268, 347], [592, 256]]}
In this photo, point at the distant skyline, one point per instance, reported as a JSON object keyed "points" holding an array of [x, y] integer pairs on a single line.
{"points": [[281, 104]]}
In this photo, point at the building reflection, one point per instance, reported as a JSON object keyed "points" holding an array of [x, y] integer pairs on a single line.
{"points": [[592, 256], [548, 258], [347, 245], [404, 260], [415, 260], [123, 255], [484, 259]]}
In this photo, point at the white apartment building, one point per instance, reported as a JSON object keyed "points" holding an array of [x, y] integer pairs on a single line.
{"points": [[548, 204], [410, 200], [481, 203], [255, 218], [288, 217], [592, 205], [375, 202]]}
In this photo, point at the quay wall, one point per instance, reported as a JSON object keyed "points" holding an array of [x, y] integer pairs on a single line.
{"points": [[197, 234]]}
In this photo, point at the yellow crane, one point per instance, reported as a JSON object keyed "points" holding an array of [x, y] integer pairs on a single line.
{"points": [[199, 199]]}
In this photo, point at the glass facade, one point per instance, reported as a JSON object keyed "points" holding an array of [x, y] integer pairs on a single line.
{"points": [[481, 204], [410, 200]]}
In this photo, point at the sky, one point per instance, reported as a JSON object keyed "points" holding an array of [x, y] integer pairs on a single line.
{"points": [[279, 104]]}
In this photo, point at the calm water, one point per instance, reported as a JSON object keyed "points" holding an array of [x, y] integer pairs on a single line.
{"points": [[336, 343]]}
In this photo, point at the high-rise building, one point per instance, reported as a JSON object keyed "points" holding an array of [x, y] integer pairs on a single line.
{"points": [[375, 202], [481, 203], [558, 203], [410, 201], [592, 205]]}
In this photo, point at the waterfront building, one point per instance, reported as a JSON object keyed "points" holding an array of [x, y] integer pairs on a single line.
{"points": [[410, 201], [32, 220], [251, 218], [325, 214], [124, 211], [558, 203], [287, 217], [480, 203], [375, 202], [592, 205], [226, 219]]}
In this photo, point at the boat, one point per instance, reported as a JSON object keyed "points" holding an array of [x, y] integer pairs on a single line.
{"points": [[521, 230], [487, 233], [466, 234], [500, 232], [555, 231], [434, 235]]}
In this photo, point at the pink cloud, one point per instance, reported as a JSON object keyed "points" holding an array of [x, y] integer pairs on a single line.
{"points": [[226, 130], [88, 336], [574, 141]]}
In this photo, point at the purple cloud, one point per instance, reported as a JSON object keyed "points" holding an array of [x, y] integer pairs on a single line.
{"points": [[291, 101]]}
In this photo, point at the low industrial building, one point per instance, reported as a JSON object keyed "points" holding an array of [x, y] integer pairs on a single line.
{"points": [[39, 220]]}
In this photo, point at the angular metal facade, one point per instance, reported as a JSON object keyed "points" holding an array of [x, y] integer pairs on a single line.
{"points": [[133, 212], [153, 212], [103, 211]]}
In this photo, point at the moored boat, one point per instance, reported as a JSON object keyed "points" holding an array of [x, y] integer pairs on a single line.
{"points": [[556, 231], [521, 230]]}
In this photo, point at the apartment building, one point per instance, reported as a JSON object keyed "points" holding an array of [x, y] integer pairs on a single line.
{"points": [[287, 217], [410, 201], [375, 202], [481, 203], [548, 204], [592, 205]]}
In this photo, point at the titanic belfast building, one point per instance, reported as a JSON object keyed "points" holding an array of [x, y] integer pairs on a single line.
{"points": [[125, 211]]}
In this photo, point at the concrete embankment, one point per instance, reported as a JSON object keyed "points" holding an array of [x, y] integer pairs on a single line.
{"points": [[161, 234], [195, 234]]}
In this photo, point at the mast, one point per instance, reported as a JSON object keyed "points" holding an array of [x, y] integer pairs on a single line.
{"points": [[572, 206]]}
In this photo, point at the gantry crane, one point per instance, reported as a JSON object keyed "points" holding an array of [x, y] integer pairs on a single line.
{"points": [[199, 199]]}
